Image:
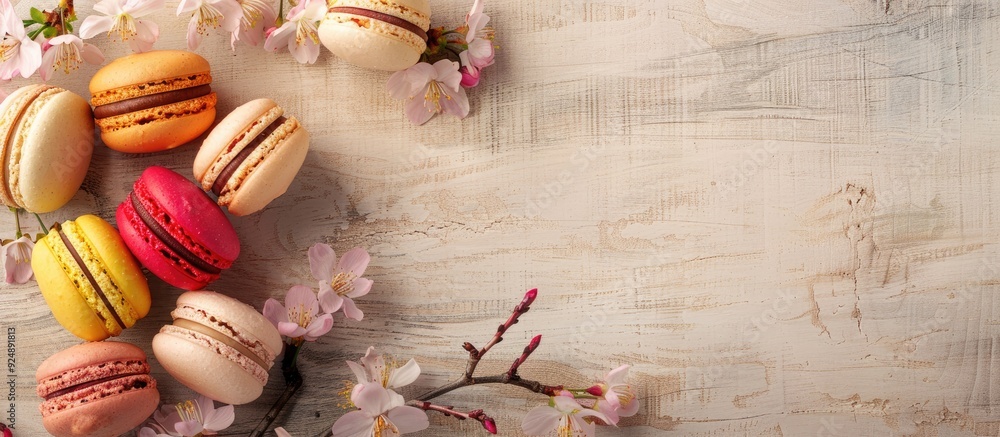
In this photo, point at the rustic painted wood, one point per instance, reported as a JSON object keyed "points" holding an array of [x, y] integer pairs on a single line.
{"points": [[782, 213]]}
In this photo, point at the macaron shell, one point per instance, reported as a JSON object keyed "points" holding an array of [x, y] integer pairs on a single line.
{"points": [[50, 140], [108, 411], [221, 143], [174, 125], [121, 78], [380, 46], [272, 175], [205, 371], [118, 262], [243, 318], [107, 417], [60, 293]]}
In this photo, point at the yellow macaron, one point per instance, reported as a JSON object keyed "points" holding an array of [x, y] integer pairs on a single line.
{"points": [[89, 279]]}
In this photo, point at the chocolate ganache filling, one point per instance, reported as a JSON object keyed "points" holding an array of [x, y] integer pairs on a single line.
{"points": [[169, 240], [136, 384], [151, 101], [90, 277], [374, 15], [192, 325], [229, 169]]}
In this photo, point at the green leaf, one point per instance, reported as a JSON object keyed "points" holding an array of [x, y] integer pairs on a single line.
{"points": [[37, 15], [69, 27], [49, 32]]}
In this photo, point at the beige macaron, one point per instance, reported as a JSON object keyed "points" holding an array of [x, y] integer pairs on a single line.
{"points": [[218, 346], [251, 157], [46, 141], [379, 34]]}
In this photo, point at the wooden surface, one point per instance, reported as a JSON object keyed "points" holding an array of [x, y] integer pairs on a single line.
{"points": [[782, 213]]}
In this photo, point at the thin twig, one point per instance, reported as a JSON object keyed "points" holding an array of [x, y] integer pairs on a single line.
{"points": [[293, 381], [486, 421]]}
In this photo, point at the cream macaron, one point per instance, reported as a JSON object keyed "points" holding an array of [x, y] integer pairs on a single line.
{"points": [[379, 34], [218, 347], [251, 157], [46, 142]]}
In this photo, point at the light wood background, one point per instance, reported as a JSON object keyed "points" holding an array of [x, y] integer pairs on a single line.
{"points": [[782, 213]]}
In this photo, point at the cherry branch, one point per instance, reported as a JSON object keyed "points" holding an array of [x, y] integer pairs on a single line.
{"points": [[477, 354], [488, 423]]}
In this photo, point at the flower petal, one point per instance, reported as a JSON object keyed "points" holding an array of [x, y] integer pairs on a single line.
{"points": [[354, 424], [617, 376], [302, 298], [360, 288], [141, 8], [408, 419], [541, 420], [47, 66], [354, 261], [329, 300], [92, 54], [404, 375], [95, 25], [319, 326], [220, 419], [372, 399], [456, 103], [629, 409], [188, 6], [281, 432], [416, 110], [289, 329], [351, 311], [322, 259], [190, 427], [359, 372], [280, 38], [193, 37], [274, 312]]}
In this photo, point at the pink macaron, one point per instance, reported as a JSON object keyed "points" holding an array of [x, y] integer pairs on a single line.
{"points": [[96, 389], [176, 231], [218, 346]]}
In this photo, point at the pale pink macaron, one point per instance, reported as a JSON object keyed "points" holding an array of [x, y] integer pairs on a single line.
{"points": [[251, 157], [218, 347], [99, 389]]}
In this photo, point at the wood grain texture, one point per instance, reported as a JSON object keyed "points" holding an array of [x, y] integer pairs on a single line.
{"points": [[782, 213]]}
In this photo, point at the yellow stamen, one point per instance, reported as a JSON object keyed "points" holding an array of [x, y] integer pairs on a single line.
{"points": [[208, 16], [124, 25], [8, 48], [253, 11], [433, 96], [345, 396], [306, 30], [190, 411], [67, 57], [343, 283], [384, 427]]}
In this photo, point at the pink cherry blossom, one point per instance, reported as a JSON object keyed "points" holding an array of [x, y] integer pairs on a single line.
{"points": [[480, 53], [618, 398], [340, 282], [564, 416], [281, 432], [379, 411], [373, 369], [209, 14], [438, 84], [191, 418], [17, 260], [299, 33], [66, 52], [18, 53], [257, 15], [121, 20], [298, 318]]}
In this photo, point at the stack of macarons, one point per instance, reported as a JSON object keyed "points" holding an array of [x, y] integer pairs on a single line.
{"points": [[91, 274]]}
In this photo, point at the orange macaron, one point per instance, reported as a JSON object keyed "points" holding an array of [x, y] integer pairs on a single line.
{"points": [[153, 101]]}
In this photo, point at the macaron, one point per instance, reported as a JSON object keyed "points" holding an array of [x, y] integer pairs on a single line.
{"points": [[176, 231], [89, 279], [153, 101], [100, 389], [251, 156], [46, 141], [379, 34], [218, 347]]}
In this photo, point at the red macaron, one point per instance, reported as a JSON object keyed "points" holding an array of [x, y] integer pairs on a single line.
{"points": [[176, 231]]}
